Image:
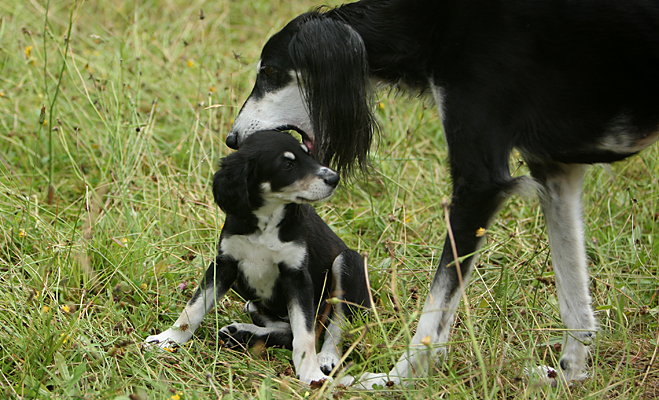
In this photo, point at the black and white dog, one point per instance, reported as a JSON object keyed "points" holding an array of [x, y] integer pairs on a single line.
{"points": [[567, 83], [278, 253]]}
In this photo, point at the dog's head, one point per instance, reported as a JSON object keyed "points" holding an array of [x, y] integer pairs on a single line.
{"points": [[270, 167], [313, 78]]}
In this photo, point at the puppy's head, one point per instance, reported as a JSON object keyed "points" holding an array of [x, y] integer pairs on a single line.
{"points": [[270, 168]]}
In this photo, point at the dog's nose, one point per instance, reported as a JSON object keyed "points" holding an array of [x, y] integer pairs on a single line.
{"points": [[232, 140], [331, 178]]}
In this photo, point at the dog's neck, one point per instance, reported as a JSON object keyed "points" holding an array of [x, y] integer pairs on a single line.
{"points": [[270, 215]]}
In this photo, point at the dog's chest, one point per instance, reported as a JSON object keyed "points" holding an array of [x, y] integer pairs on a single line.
{"points": [[259, 256]]}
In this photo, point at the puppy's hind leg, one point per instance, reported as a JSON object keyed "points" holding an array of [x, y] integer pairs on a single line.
{"points": [[265, 331], [349, 284], [561, 204]]}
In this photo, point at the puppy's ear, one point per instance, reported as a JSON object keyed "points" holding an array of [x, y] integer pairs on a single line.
{"points": [[331, 58], [234, 185]]}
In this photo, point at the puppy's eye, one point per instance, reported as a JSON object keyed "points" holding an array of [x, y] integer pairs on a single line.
{"points": [[289, 166]]}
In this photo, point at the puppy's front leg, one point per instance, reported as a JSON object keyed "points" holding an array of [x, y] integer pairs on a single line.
{"points": [[301, 314], [219, 277]]}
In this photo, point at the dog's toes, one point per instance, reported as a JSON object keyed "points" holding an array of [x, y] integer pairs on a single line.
{"points": [[239, 336], [328, 361], [168, 340], [315, 379], [371, 381], [542, 375], [231, 337]]}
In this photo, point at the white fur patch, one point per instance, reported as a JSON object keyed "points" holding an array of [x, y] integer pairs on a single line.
{"points": [[623, 137], [283, 107], [260, 254], [289, 155]]}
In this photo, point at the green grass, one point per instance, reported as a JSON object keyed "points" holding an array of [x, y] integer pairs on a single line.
{"points": [[91, 269]]}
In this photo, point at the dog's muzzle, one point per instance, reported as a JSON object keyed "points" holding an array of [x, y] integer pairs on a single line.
{"points": [[232, 140], [330, 177]]}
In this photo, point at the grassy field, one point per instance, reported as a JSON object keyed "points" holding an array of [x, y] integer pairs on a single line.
{"points": [[107, 149]]}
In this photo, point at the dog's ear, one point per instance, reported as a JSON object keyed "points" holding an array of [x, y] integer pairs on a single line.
{"points": [[331, 58], [234, 185]]}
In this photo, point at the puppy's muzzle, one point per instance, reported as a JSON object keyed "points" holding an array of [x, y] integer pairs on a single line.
{"points": [[330, 177]]}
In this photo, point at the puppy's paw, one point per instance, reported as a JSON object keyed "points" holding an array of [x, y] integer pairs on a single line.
{"points": [[328, 361], [168, 340], [238, 336]]}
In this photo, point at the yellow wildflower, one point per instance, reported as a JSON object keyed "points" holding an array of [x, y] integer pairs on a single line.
{"points": [[45, 309], [65, 308], [28, 50], [480, 232], [22, 233], [190, 63]]}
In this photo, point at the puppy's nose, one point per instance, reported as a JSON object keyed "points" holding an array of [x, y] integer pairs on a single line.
{"points": [[331, 178], [232, 140]]}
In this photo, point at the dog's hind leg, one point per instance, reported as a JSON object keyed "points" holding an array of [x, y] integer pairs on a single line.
{"points": [[265, 331], [561, 204], [349, 285]]}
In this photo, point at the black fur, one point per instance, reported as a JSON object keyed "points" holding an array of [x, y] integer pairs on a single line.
{"points": [[564, 82]]}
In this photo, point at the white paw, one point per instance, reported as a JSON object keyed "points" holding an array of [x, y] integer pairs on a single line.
{"points": [[328, 361], [309, 377], [548, 376], [168, 340], [370, 381], [542, 374]]}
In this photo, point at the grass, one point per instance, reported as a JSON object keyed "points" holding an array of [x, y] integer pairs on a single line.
{"points": [[115, 104]]}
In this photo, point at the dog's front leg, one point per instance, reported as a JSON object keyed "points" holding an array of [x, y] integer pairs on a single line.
{"points": [[301, 314], [219, 277]]}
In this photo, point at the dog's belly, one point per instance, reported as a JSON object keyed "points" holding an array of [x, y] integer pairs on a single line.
{"points": [[259, 257]]}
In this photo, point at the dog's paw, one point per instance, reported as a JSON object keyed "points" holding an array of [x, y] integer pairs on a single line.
{"points": [[371, 381], [328, 361], [314, 378], [168, 340], [544, 375], [573, 367], [238, 336]]}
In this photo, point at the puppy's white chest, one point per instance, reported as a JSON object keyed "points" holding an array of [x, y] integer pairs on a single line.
{"points": [[259, 256]]}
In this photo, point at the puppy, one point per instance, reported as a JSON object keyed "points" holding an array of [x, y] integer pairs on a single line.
{"points": [[276, 252]]}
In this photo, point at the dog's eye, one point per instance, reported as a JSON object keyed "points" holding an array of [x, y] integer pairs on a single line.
{"points": [[289, 166], [268, 71]]}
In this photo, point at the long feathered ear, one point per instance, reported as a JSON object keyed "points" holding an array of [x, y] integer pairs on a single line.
{"points": [[234, 186], [331, 58]]}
